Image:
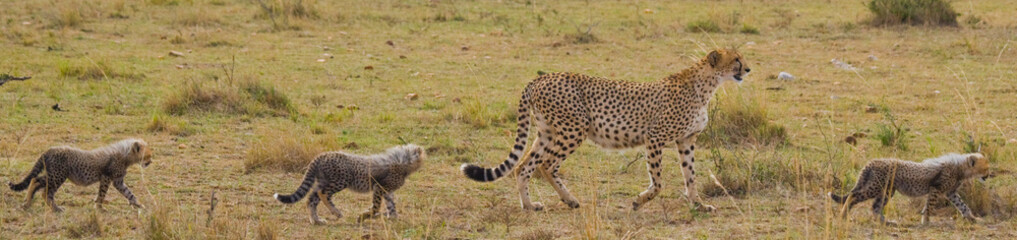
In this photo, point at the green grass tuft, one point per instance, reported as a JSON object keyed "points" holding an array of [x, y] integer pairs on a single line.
{"points": [[912, 12]]}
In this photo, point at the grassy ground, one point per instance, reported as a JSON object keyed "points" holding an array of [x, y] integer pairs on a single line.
{"points": [[262, 85]]}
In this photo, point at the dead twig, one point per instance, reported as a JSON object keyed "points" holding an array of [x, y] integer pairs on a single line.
{"points": [[4, 78], [211, 209]]}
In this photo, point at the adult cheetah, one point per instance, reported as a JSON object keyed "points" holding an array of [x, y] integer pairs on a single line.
{"points": [[569, 108]]}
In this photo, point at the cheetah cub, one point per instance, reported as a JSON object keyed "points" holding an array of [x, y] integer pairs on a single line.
{"points": [[105, 165], [932, 177], [381, 174]]}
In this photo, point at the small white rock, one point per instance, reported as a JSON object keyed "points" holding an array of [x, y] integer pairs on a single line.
{"points": [[873, 58], [785, 76], [936, 92], [321, 60], [1012, 141], [750, 43]]}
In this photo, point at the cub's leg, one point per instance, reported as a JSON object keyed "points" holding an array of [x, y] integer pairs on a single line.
{"points": [[535, 158], [390, 204], [312, 205], [101, 198], [686, 151], [567, 143], [375, 205], [653, 150], [52, 184], [124, 190], [925, 209], [328, 199], [878, 205], [33, 186], [963, 208]]}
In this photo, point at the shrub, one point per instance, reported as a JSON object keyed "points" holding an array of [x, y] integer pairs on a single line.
{"points": [[158, 225], [163, 123], [482, 115], [912, 12], [246, 97], [892, 133], [582, 37], [90, 228], [748, 29], [702, 25], [97, 70], [286, 153], [739, 120]]}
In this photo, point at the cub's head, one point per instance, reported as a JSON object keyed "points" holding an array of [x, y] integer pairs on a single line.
{"points": [[727, 64], [139, 152], [976, 166], [414, 156]]}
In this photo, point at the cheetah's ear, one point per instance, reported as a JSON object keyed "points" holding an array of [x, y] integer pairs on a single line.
{"points": [[972, 160], [136, 147], [713, 58]]}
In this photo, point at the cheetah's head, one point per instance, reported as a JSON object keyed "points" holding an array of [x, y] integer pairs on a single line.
{"points": [[977, 166], [140, 153], [727, 64]]}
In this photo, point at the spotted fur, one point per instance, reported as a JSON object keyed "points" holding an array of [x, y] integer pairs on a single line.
{"points": [[881, 178], [381, 174], [568, 108], [105, 165]]}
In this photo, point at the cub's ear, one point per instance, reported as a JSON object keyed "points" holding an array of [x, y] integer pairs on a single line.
{"points": [[973, 159], [136, 147], [713, 58]]}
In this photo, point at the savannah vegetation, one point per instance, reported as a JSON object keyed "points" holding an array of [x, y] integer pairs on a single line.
{"points": [[235, 96]]}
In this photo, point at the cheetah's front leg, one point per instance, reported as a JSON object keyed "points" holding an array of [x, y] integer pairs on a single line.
{"points": [[963, 208], [122, 188]]}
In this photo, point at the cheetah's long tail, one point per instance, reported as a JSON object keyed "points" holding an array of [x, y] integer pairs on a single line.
{"points": [[482, 174], [39, 166], [302, 190]]}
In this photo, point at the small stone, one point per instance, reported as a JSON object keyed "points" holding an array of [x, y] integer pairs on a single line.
{"points": [[872, 58], [321, 60], [785, 76], [402, 56], [326, 48], [390, 43], [871, 109], [368, 67], [465, 48], [1012, 141], [648, 11], [456, 100], [182, 146], [936, 92], [750, 43], [180, 66], [176, 54], [411, 96]]}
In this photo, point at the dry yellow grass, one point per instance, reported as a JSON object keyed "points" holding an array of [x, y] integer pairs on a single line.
{"points": [[106, 63]]}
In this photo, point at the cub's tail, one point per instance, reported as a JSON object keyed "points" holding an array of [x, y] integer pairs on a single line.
{"points": [[482, 174], [39, 166], [836, 198], [302, 190]]}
